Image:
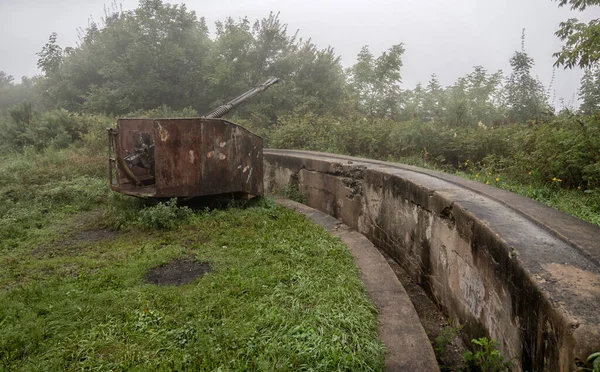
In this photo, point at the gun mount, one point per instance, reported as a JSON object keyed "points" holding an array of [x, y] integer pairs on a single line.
{"points": [[187, 157]]}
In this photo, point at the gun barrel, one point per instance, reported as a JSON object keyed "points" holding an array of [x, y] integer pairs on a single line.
{"points": [[221, 111]]}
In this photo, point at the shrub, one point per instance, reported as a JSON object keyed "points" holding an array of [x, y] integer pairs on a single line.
{"points": [[163, 112], [565, 149], [595, 360], [164, 215], [308, 132], [21, 127], [447, 336], [486, 358]]}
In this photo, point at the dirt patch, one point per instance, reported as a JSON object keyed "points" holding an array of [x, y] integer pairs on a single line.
{"points": [[94, 236], [87, 220], [178, 272], [445, 337], [74, 245]]}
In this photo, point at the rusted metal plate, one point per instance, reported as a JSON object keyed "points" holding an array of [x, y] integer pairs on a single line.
{"points": [[193, 157], [128, 130]]}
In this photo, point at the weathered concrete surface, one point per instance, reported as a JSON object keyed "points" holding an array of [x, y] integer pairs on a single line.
{"points": [[507, 267], [407, 345]]}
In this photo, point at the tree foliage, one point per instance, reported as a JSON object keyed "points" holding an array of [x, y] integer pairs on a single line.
{"points": [[160, 60], [161, 54], [375, 82], [12, 93], [51, 56], [525, 95], [582, 41], [5, 79], [578, 4], [589, 92]]}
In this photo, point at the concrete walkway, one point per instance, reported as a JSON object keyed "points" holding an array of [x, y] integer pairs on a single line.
{"points": [[407, 345]]}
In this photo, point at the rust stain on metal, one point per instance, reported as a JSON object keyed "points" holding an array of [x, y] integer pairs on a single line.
{"points": [[186, 157]]}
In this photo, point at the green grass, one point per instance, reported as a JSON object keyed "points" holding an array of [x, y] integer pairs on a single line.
{"points": [[284, 294], [581, 204]]}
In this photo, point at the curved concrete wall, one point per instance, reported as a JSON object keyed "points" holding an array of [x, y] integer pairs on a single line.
{"points": [[505, 266]]}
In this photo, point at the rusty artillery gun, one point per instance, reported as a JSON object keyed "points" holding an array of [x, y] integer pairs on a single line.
{"points": [[187, 157]]}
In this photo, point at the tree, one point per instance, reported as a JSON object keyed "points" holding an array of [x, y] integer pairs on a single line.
{"points": [[525, 95], [582, 43], [376, 82], [154, 55], [434, 100], [5, 79], [161, 54], [244, 55], [483, 95], [589, 91], [12, 93], [578, 4], [457, 109], [51, 56], [414, 104]]}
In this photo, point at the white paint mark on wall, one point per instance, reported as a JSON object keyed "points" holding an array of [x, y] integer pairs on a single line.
{"points": [[162, 132], [444, 258], [473, 290], [192, 157], [246, 169], [428, 232], [249, 175]]}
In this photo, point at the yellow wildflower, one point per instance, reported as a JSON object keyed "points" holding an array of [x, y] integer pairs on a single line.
{"points": [[477, 175], [528, 172], [497, 179], [554, 179], [487, 182]]}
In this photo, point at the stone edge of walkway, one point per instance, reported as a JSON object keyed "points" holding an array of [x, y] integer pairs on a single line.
{"points": [[400, 329]]}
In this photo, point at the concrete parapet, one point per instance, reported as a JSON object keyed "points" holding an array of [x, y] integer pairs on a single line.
{"points": [[504, 265]]}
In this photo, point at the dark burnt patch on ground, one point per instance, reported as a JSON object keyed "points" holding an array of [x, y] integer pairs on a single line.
{"points": [[179, 271]]}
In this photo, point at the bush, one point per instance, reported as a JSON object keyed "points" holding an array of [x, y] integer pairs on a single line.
{"points": [[308, 132], [163, 112], [21, 128], [164, 215], [595, 360], [564, 150], [487, 358]]}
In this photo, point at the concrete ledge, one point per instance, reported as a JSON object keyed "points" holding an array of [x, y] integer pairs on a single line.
{"points": [[505, 266], [407, 345]]}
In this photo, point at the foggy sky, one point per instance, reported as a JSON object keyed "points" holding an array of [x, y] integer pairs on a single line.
{"points": [[446, 37]]}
